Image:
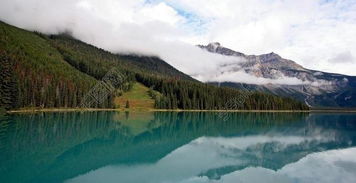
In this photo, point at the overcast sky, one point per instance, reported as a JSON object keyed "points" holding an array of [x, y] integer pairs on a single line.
{"points": [[318, 34]]}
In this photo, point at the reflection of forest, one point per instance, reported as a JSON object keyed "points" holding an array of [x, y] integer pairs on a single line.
{"points": [[52, 147]]}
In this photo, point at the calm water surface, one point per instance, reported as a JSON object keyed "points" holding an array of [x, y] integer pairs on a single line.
{"points": [[172, 147]]}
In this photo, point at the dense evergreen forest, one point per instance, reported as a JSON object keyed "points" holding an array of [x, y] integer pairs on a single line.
{"points": [[181, 94], [58, 71]]}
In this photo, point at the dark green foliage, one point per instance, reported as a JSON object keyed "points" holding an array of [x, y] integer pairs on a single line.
{"points": [[8, 83], [58, 71], [178, 90], [183, 94], [96, 62], [127, 104], [34, 74], [155, 65]]}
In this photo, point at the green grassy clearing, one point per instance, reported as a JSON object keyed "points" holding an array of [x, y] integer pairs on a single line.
{"points": [[138, 98]]}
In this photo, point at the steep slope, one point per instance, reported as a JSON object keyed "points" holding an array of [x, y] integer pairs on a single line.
{"points": [[59, 71], [156, 65], [178, 90], [95, 61], [33, 73], [315, 88]]}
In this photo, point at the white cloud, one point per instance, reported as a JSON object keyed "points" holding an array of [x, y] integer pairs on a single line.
{"points": [[343, 57], [311, 32], [243, 77]]}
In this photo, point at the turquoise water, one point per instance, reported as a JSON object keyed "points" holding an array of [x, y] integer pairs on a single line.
{"points": [[122, 147]]}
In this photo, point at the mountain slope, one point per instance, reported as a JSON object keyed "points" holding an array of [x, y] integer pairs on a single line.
{"points": [[315, 88], [97, 62], [35, 74], [59, 71]]}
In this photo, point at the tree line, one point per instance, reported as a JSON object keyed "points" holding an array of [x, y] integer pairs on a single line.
{"points": [[182, 94], [58, 71]]}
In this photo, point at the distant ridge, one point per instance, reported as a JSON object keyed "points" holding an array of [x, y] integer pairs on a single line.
{"points": [[319, 89], [58, 71]]}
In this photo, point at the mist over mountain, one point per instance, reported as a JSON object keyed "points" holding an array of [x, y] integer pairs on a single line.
{"points": [[53, 71], [322, 38], [276, 75]]}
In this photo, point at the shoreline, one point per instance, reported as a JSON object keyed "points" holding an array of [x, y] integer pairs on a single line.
{"points": [[175, 110]]}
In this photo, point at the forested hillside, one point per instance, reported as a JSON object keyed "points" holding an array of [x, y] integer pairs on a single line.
{"points": [[57, 71], [96, 62], [33, 73]]}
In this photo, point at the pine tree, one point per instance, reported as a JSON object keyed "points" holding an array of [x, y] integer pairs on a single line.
{"points": [[127, 104]]}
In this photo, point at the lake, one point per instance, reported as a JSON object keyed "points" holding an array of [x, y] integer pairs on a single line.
{"points": [[177, 147]]}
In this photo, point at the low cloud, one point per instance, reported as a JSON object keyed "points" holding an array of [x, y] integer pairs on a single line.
{"points": [[169, 29], [243, 77], [141, 31], [344, 57]]}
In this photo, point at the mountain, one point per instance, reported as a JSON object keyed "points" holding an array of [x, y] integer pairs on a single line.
{"points": [[315, 88], [53, 71], [95, 61]]}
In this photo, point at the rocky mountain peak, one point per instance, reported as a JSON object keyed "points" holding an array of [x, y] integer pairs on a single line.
{"points": [[271, 57], [315, 88], [212, 47], [215, 47], [214, 44]]}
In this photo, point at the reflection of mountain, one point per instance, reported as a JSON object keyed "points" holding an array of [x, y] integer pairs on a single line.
{"points": [[52, 147], [326, 167], [322, 132]]}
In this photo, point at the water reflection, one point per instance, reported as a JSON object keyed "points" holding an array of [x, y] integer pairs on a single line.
{"points": [[172, 147]]}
